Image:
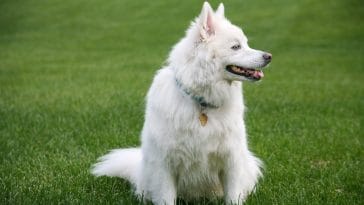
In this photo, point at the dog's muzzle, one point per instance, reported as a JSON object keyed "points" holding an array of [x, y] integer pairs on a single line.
{"points": [[254, 74]]}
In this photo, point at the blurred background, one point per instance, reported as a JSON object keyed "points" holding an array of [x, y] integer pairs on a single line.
{"points": [[74, 75]]}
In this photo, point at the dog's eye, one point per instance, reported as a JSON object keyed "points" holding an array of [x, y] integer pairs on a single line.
{"points": [[236, 47]]}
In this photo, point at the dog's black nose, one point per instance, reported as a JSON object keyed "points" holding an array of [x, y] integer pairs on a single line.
{"points": [[267, 57]]}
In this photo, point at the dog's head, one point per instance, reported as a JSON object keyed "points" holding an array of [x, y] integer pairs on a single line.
{"points": [[227, 47]]}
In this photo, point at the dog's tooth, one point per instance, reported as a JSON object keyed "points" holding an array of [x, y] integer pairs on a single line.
{"points": [[235, 69]]}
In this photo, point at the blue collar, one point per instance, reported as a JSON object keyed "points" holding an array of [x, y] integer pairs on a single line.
{"points": [[198, 99]]}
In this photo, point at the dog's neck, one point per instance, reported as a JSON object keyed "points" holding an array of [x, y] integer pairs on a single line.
{"points": [[198, 75], [200, 100], [202, 82]]}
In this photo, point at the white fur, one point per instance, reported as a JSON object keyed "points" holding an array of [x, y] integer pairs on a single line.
{"points": [[179, 157]]}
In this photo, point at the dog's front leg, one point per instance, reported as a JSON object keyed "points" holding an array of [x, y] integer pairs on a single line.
{"points": [[239, 177], [165, 194], [234, 177], [159, 183], [231, 180]]}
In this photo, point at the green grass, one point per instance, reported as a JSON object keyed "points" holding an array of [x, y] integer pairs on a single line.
{"points": [[74, 75]]}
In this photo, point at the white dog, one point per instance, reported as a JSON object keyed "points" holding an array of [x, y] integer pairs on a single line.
{"points": [[194, 141]]}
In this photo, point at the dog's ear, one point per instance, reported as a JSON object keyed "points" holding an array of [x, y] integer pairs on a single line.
{"points": [[220, 11], [206, 21]]}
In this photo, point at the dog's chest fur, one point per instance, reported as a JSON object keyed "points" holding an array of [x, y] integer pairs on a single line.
{"points": [[195, 153]]}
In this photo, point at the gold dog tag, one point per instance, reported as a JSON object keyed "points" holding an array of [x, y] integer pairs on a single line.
{"points": [[203, 119]]}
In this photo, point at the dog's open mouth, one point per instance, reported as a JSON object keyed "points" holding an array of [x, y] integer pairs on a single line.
{"points": [[249, 73]]}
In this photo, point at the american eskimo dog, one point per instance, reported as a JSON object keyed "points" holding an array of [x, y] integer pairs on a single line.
{"points": [[194, 141]]}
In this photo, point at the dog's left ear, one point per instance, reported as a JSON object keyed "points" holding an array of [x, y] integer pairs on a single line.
{"points": [[220, 11], [206, 19]]}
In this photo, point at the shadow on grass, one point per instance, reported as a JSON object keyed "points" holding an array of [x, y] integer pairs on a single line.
{"points": [[118, 191]]}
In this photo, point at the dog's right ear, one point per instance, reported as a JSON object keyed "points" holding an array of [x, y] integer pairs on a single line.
{"points": [[220, 10], [206, 21]]}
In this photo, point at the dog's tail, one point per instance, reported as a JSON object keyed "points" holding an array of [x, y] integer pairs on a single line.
{"points": [[124, 163]]}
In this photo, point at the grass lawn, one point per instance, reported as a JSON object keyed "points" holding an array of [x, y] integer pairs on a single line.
{"points": [[74, 75]]}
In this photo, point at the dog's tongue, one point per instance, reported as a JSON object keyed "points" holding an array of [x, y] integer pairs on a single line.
{"points": [[258, 74]]}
